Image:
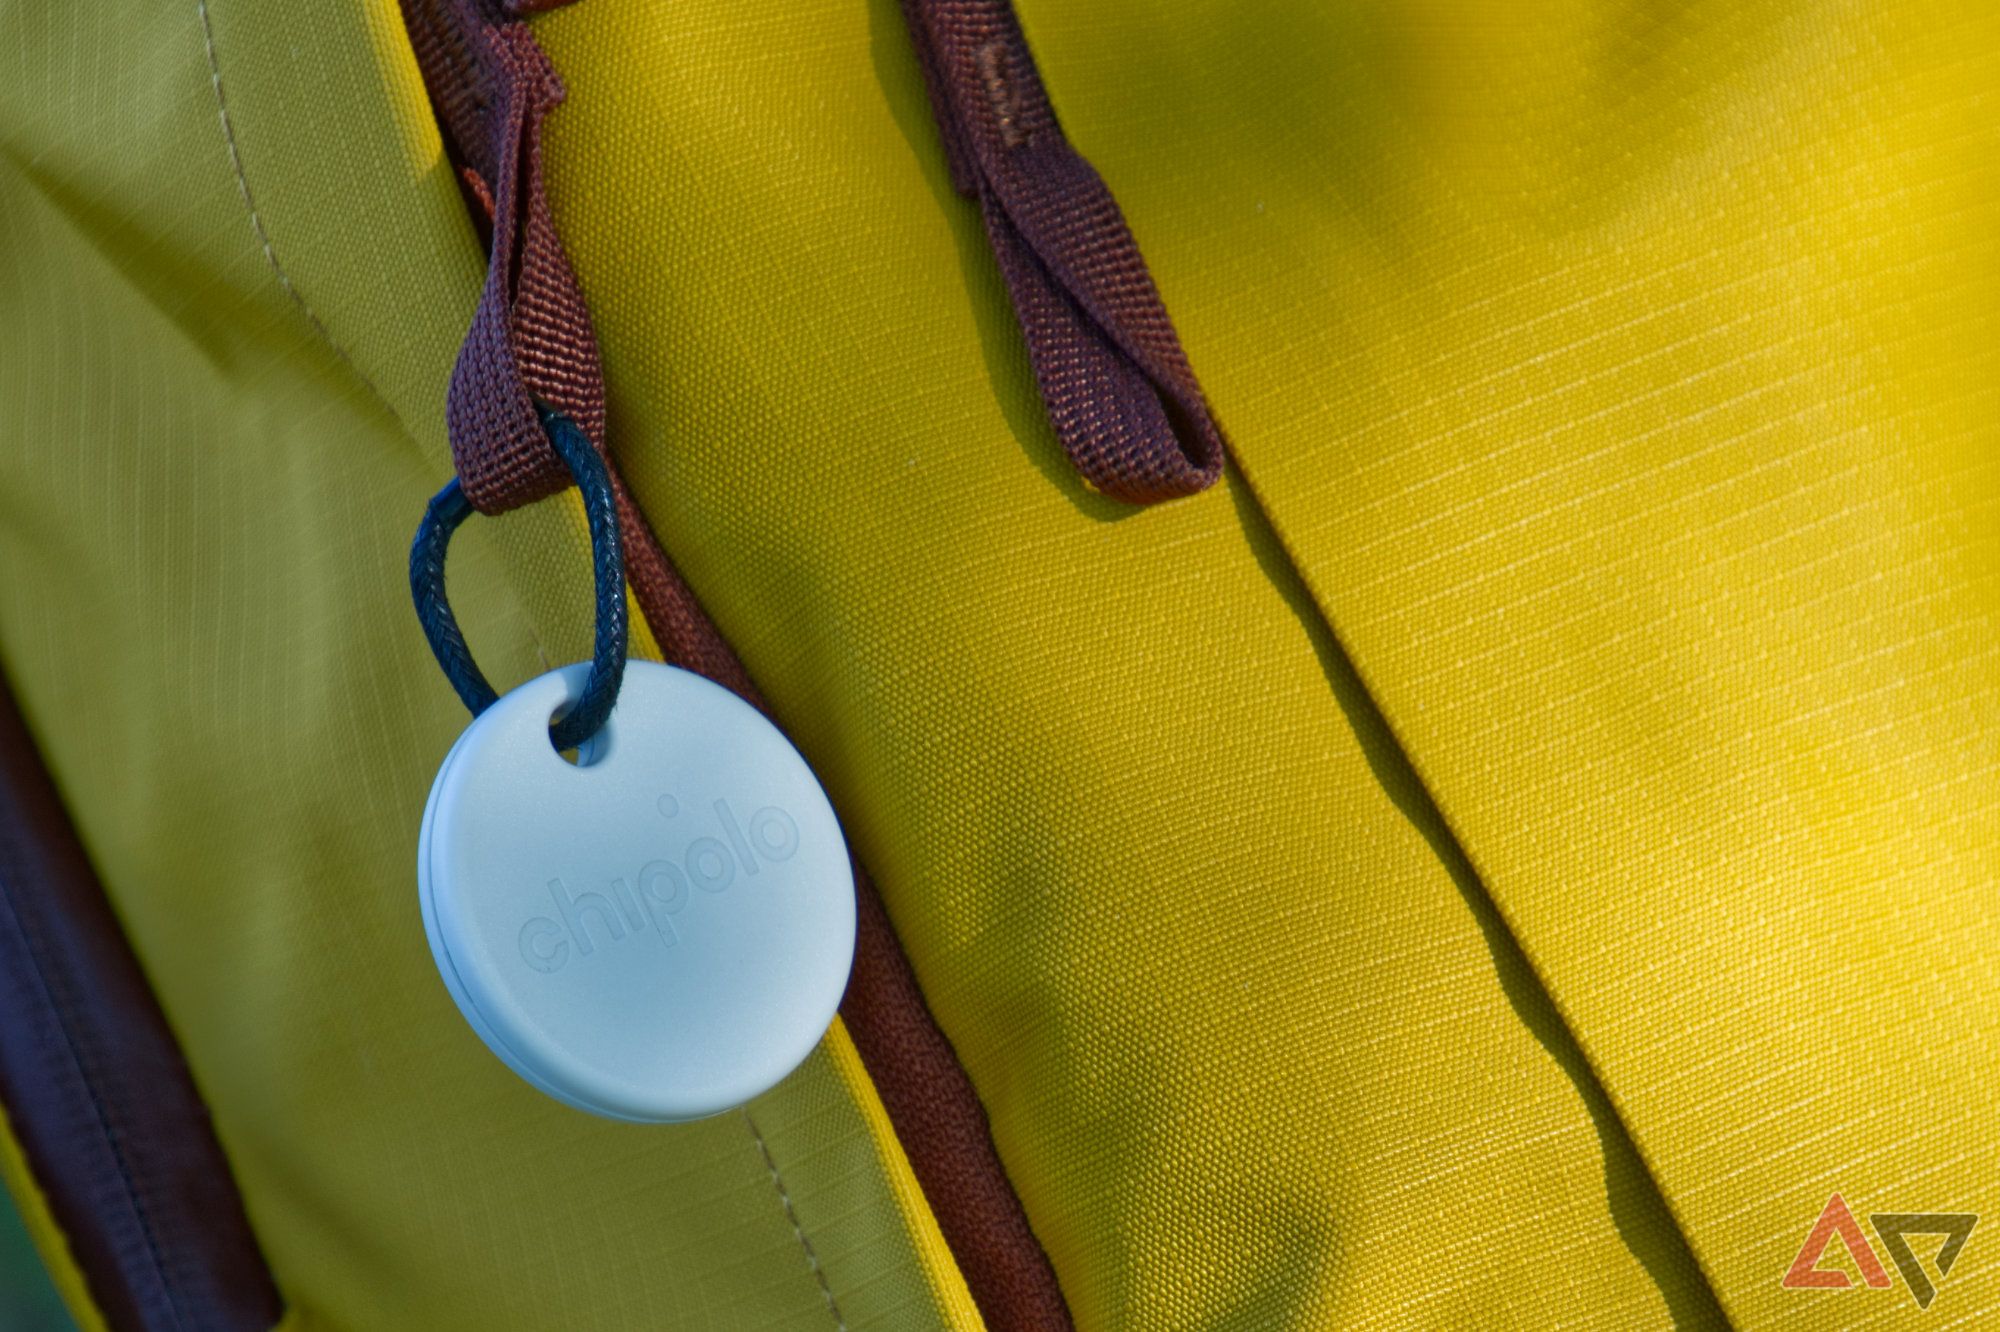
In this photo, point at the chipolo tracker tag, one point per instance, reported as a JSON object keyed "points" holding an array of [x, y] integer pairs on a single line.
{"points": [[659, 932]]}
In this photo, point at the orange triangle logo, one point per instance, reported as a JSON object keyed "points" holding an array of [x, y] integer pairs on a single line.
{"points": [[1834, 1219]]}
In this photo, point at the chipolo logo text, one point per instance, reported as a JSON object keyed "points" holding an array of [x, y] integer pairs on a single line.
{"points": [[709, 863]]}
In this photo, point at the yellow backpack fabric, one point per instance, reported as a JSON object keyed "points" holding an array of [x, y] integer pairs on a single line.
{"points": [[1502, 858]]}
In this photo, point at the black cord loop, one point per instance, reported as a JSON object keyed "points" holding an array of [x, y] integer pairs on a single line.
{"points": [[449, 508]]}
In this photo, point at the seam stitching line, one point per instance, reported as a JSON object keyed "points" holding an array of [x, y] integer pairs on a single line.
{"points": [[271, 254], [257, 220], [812, 1259]]}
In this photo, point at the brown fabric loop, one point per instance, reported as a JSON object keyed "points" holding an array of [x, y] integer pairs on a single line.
{"points": [[1119, 391], [531, 338]]}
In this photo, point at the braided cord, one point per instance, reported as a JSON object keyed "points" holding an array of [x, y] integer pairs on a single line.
{"points": [[442, 517]]}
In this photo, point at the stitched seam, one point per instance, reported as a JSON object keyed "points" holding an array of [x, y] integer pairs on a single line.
{"points": [[812, 1259], [271, 255], [257, 220]]}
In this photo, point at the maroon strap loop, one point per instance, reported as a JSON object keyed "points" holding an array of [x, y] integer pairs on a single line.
{"points": [[531, 338], [1118, 388]]}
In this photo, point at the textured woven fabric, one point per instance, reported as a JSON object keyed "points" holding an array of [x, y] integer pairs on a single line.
{"points": [[1254, 1044], [1660, 510], [1620, 379], [223, 366], [1259, 1048]]}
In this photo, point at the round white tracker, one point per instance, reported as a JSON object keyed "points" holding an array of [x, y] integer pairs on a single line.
{"points": [[658, 933]]}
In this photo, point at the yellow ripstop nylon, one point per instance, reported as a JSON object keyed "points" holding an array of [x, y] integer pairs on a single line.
{"points": [[1257, 1049], [1625, 381], [205, 510], [947, 1285]]}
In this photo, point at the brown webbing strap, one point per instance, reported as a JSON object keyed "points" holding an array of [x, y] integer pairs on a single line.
{"points": [[1118, 388], [490, 86], [97, 1092], [531, 339]]}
